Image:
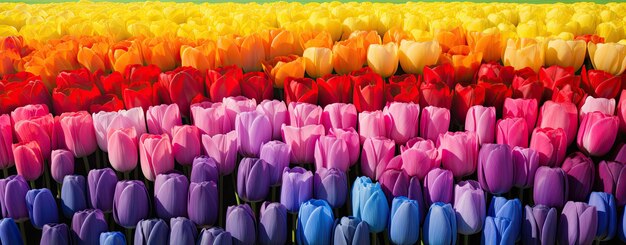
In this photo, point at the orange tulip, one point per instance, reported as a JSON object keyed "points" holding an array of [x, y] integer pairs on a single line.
{"points": [[228, 52], [13, 49], [280, 43], [321, 39], [94, 57], [450, 38], [125, 53], [396, 35], [201, 57], [252, 53], [282, 67], [465, 62], [347, 56], [364, 39], [490, 44], [163, 52]]}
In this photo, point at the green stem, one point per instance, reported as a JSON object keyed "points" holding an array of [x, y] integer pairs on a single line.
{"points": [[23, 231], [126, 175], [129, 234], [86, 163], [6, 172], [294, 222], [32, 185], [59, 186], [253, 206], [373, 238], [466, 239], [274, 193], [235, 185]]}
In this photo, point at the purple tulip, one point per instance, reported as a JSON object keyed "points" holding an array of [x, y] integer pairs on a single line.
{"points": [[551, 187], [578, 223], [620, 152], [61, 164], [495, 168], [272, 223], [580, 172], [438, 186], [525, 164], [331, 152], [215, 236], [339, 116], [73, 195], [237, 105], [297, 188], [241, 224], [13, 191], [276, 154], [102, 184], [539, 225], [152, 231], [396, 182], [170, 195], [251, 128], [276, 112], [470, 207], [253, 183], [351, 137], [130, 203], [612, 178], [203, 203], [482, 121], [87, 226], [182, 231], [204, 168], [459, 152], [39, 203], [302, 114], [350, 231], [56, 234], [331, 185]]}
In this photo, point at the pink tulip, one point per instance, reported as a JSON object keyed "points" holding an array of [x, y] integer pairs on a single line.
{"points": [[606, 106], [551, 144], [522, 108], [6, 141], [482, 121], [621, 111], [459, 152], [123, 154], [155, 154], [162, 119], [61, 164], [376, 154], [401, 121], [351, 137], [210, 118], [339, 115], [433, 122], [79, 134], [302, 142], [38, 129], [276, 112], [101, 122], [512, 131], [58, 139], [620, 154], [222, 148], [371, 124], [28, 160], [29, 111], [597, 133], [186, 144], [560, 115], [420, 157], [252, 132], [236, 105], [331, 152], [302, 114]]}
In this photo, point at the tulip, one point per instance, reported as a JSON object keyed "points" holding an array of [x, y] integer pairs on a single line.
{"points": [[201, 57], [523, 53], [435, 94], [482, 121], [395, 182], [368, 92], [331, 185], [204, 168], [170, 195], [55, 234], [403, 88], [525, 164], [370, 195], [459, 152], [130, 203], [498, 230], [297, 187], [434, 122], [228, 53], [469, 206], [253, 184], [13, 191], [331, 152], [376, 154], [566, 53], [559, 115], [303, 90], [551, 144], [36, 130], [140, 94], [580, 175], [210, 118], [257, 86], [39, 203], [609, 57], [241, 224], [414, 56], [601, 83], [620, 154], [28, 112], [302, 114], [607, 215], [500, 207], [281, 67], [594, 125], [152, 231], [350, 230], [371, 124], [155, 152], [6, 140], [223, 82], [495, 168], [88, 224], [102, 183], [419, 157], [319, 61], [215, 236], [315, 223], [276, 155], [302, 142], [222, 148], [272, 223], [339, 116], [183, 231], [383, 59], [236, 105], [276, 112], [73, 195], [351, 137], [183, 84], [522, 108], [334, 89], [440, 224], [134, 118], [78, 132], [61, 164], [123, 149], [606, 106], [578, 223], [490, 44], [404, 221], [9, 233], [112, 238], [610, 174], [347, 56], [550, 187], [512, 132], [206, 193], [438, 186], [249, 127], [401, 121], [186, 143], [465, 98], [540, 225], [161, 119]]}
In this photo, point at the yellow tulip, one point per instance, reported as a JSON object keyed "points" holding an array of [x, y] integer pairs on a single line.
{"points": [[252, 53], [125, 53], [490, 45], [531, 29], [609, 57], [318, 61], [282, 67], [201, 57], [610, 31], [414, 56], [523, 53], [383, 59], [566, 53], [347, 56], [396, 35]]}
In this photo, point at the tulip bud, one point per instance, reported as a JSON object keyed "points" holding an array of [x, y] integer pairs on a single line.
{"points": [[396, 182], [498, 230], [470, 207], [551, 187], [161, 119], [578, 223], [350, 230], [215, 236], [39, 202], [495, 168], [597, 133], [130, 204], [302, 142], [56, 234], [334, 88], [351, 137], [368, 92], [318, 61], [210, 118], [257, 86], [339, 116], [383, 59], [301, 90], [251, 133], [376, 154], [540, 225], [186, 144], [236, 105], [205, 193], [112, 238], [182, 231], [315, 223], [28, 160], [511, 209], [566, 53], [610, 174], [241, 224], [276, 155], [61, 164], [297, 187], [401, 121], [419, 157], [414, 56], [13, 191], [9, 233], [224, 82], [607, 215], [459, 152], [253, 183], [522, 108], [36, 130], [371, 124], [482, 121], [440, 224], [438, 186], [525, 164], [152, 231], [524, 52], [204, 168], [331, 152], [434, 122], [550, 144], [606, 106], [155, 152], [302, 114], [170, 195], [272, 224], [331, 185], [370, 195], [580, 172], [222, 148], [609, 57], [276, 112], [88, 224], [6, 140], [73, 195], [512, 132], [559, 115], [28, 112], [78, 133], [404, 221]]}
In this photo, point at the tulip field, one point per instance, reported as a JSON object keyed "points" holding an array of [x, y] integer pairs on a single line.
{"points": [[312, 123]]}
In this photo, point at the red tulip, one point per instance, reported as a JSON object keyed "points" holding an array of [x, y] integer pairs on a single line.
{"points": [[80, 78], [368, 92], [443, 73], [72, 99], [590, 38], [257, 86], [435, 94], [403, 88], [139, 94], [557, 77], [495, 93], [224, 82], [495, 73], [182, 85], [464, 98], [601, 84], [21, 89], [139, 73], [106, 102], [334, 89], [300, 90]]}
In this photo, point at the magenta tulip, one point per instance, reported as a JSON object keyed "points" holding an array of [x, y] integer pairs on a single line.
{"points": [[276, 112], [276, 154], [222, 148], [525, 164], [522, 108], [401, 121], [28, 160], [419, 158], [29, 111], [339, 116], [433, 122], [482, 121], [155, 152], [551, 144], [38, 129], [236, 105], [6, 141], [551, 187], [612, 179], [512, 131], [597, 133], [580, 172], [459, 152], [559, 115], [495, 168], [302, 142], [78, 133]]}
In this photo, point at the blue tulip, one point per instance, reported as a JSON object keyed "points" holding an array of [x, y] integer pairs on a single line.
{"points": [[183, 231], [215, 236], [152, 231], [315, 223], [351, 231], [498, 230], [41, 207], [273, 223], [501, 207], [9, 233], [404, 222], [370, 204], [73, 195], [540, 225], [440, 224], [112, 238], [621, 229], [56, 234], [607, 214]]}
